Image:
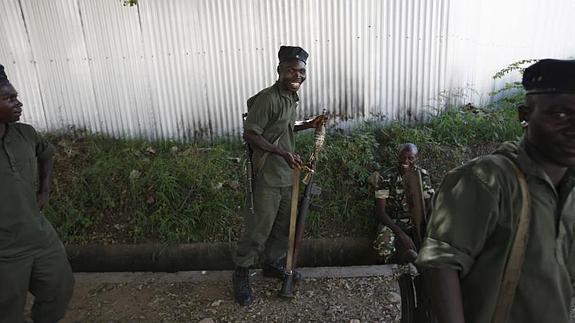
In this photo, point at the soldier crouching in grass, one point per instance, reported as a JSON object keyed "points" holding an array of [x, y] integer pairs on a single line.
{"points": [[394, 241], [402, 200], [32, 257], [269, 130], [500, 241]]}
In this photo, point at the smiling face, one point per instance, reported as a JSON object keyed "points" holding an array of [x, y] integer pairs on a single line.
{"points": [[10, 106], [551, 129], [407, 159], [292, 74]]}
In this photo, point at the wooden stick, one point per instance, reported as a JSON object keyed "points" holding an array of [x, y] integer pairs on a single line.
{"points": [[293, 218]]}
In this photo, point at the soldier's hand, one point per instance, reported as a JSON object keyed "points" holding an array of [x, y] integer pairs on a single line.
{"points": [[293, 160], [406, 242], [318, 121]]}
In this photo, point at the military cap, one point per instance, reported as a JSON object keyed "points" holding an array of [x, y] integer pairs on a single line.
{"points": [[550, 76], [287, 53], [3, 77]]}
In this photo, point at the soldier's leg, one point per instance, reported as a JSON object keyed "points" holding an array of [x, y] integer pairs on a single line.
{"points": [[257, 226], [385, 244], [277, 243], [51, 283], [14, 280], [256, 231]]}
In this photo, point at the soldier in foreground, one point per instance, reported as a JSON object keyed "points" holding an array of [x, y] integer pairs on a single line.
{"points": [[499, 243], [269, 130], [32, 258]]}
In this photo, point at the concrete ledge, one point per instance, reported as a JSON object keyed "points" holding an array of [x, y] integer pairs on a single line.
{"points": [[209, 256], [225, 275]]}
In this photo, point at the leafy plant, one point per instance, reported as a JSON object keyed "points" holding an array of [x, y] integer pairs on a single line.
{"points": [[130, 2], [511, 92]]}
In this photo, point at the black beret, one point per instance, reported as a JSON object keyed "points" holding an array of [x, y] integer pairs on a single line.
{"points": [[3, 77], [287, 53], [550, 76]]}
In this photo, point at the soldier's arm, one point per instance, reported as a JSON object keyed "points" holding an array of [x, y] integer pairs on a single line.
{"points": [[311, 123], [384, 218], [446, 295], [44, 176], [256, 140], [45, 162], [464, 214]]}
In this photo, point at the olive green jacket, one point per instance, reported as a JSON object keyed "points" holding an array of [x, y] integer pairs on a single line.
{"points": [[272, 114], [472, 226], [23, 228]]}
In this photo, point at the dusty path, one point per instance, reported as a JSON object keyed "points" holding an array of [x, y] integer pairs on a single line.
{"points": [[181, 298]]}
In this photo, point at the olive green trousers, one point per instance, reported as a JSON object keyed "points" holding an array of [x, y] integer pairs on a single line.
{"points": [[266, 231], [47, 275]]}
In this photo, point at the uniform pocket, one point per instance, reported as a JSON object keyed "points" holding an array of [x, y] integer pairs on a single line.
{"points": [[6, 238], [28, 169]]}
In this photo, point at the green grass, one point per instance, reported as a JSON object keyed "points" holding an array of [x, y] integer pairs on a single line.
{"points": [[131, 191], [135, 191]]}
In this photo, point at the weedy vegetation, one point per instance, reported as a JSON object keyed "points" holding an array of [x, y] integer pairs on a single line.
{"points": [[108, 190]]}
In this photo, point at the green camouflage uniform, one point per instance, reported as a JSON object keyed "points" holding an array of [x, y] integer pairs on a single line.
{"points": [[472, 226], [32, 258], [390, 187], [271, 114]]}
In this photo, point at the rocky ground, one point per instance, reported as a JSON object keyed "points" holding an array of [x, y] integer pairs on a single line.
{"points": [[152, 298], [367, 299]]}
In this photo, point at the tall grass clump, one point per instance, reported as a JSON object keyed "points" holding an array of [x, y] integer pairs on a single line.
{"points": [[136, 191]]}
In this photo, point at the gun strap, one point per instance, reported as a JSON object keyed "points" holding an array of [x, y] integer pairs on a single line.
{"points": [[516, 256]]}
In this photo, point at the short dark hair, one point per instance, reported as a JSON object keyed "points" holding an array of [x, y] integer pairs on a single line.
{"points": [[407, 147]]}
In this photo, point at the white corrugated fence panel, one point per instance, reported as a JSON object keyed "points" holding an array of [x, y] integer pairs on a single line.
{"points": [[183, 69]]}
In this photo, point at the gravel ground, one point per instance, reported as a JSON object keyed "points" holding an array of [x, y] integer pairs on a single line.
{"points": [[145, 299], [372, 299]]}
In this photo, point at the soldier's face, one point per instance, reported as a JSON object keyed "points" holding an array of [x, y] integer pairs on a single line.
{"points": [[551, 126], [292, 74], [407, 160], [10, 106]]}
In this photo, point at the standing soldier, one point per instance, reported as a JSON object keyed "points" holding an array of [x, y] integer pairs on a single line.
{"points": [[394, 239], [269, 130], [500, 241], [32, 258]]}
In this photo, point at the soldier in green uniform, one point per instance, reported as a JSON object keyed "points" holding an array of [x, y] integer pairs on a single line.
{"points": [[32, 258], [269, 130], [393, 241], [474, 219]]}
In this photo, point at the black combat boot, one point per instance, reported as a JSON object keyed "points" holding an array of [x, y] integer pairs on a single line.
{"points": [[277, 269], [241, 282]]}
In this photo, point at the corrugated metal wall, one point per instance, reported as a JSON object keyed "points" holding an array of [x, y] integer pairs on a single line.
{"points": [[183, 69]]}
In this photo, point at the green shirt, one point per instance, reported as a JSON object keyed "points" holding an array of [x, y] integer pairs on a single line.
{"points": [[471, 231], [272, 114], [22, 226]]}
